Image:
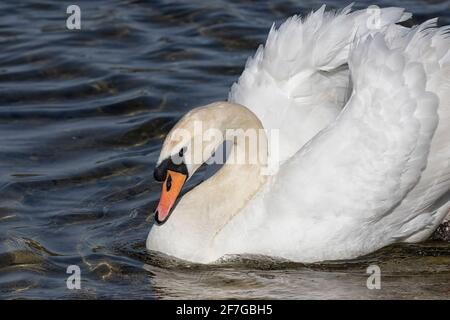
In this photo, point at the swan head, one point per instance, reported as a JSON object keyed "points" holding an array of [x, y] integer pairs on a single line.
{"points": [[188, 145]]}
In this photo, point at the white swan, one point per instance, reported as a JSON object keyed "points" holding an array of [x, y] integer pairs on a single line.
{"points": [[352, 179]]}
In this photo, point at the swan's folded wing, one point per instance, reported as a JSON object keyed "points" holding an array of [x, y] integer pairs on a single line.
{"points": [[429, 201], [374, 153], [299, 81]]}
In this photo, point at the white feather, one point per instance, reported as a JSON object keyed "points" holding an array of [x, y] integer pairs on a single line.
{"points": [[301, 72]]}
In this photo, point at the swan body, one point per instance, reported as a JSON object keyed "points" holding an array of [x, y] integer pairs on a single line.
{"points": [[363, 116]]}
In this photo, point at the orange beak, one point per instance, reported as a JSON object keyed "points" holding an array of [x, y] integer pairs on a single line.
{"points": [[170, 190]]}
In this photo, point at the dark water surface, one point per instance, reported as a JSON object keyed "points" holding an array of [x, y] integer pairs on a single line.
{"points": [[82, 118]]}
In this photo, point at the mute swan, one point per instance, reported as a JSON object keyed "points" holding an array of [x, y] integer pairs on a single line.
{"points": [[364, 145]]}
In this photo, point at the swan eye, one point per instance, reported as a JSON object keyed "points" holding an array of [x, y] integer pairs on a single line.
{"points": [[182, 151], [169, 183]]}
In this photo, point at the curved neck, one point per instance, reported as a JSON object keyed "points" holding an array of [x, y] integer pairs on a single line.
{"points": [[215, 201]]}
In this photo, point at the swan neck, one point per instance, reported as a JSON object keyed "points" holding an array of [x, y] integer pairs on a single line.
{"points": [[234, 185]]}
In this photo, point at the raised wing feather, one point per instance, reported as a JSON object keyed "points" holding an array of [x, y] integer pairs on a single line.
{"points": [[367, 161], [299, 81], [427, 204]]}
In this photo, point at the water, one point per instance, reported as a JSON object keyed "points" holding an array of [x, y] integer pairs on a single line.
{"points": [[82, 118]]}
